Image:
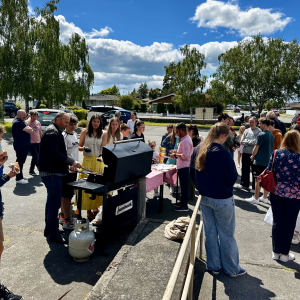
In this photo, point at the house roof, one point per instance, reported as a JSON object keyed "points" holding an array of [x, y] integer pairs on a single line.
{"points": [[103, 97], [162, 97]]}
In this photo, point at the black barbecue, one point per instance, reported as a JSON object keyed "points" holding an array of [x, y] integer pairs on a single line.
{"points": [[125, 163]]}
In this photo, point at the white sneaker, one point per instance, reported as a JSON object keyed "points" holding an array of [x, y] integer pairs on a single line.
{"points": [[296, 239], [68, 225], [264, 200], [252, 191], [22, 181], [239, 165], [252, 200], [284, 258], [242, 187], [26, 178], [275, 256]]}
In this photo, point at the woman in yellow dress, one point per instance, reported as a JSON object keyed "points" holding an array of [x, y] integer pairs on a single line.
{"points": [[92, 139]]}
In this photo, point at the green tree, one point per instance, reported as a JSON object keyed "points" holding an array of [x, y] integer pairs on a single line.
{"points": [[111, 91], [260, 69], [169, 76], [126, 102], [186, 78], [143, 91], [154, 93]]}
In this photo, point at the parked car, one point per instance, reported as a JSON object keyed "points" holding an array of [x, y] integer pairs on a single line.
{"points": [[101, 109], [10, 109], [295, 119], [46, 115], [237, 109], [251, 114], [125, 116]]}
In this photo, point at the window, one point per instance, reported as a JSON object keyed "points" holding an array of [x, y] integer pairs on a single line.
{"points": [[46, 117]]}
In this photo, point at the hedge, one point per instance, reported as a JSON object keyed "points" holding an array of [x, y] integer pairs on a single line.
{"points": [[81, 114], [160, 108], [83, 123], [143, 107], [171, 108]]}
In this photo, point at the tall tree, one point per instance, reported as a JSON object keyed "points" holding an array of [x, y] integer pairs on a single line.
{"points": [[143, 91], [154, 93], [260, 69], [187, 79], [111, 91]]}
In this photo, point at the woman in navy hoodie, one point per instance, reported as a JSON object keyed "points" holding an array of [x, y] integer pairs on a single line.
{"points": [[214, 175]]}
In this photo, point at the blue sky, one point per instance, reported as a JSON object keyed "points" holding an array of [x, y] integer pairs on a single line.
{"points": [[132, 40]]}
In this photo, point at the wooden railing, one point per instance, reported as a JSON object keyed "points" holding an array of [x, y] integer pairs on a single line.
{"points": [[195, 241]]}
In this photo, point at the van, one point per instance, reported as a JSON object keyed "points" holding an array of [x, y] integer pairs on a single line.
{"points": [[100, 109]]}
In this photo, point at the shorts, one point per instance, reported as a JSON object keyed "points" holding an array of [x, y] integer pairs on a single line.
{"points": [[257, 170], [1, 232], [68, 190], [240, 149]]}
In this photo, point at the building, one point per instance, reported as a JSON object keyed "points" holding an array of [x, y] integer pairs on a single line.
{"points": [[101, 99], [164, 99]]}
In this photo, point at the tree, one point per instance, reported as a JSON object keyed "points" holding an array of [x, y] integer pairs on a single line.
{"points": [[134, 94], [261, 69], [111, 91], [143, 91], [167, 89], [186, 78], [126, 102], [154, 93]]}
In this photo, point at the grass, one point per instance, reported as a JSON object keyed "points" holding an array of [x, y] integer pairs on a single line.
{"points": [[7, 126], [187, 124]]}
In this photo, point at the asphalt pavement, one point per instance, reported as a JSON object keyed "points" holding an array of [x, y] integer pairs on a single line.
{"points": [[39, 270]]}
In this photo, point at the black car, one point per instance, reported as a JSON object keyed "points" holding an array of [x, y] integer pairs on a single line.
{"points": [[125, 116], [10, 109]]}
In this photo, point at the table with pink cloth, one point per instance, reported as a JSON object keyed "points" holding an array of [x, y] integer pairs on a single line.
{"points": [[156, 179]]}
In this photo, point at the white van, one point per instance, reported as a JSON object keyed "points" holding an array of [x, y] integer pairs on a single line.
{"points": [[100, 110]]}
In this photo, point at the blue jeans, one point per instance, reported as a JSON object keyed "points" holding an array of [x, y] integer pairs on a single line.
{"points": [[184, 175], [220, 244], [34, 150], [54, 187]]}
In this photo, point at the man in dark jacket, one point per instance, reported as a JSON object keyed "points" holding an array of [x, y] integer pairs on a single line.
{"points": [[53, 165]]}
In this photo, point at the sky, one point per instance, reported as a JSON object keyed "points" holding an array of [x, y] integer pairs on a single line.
{"points": [[130, 41]]}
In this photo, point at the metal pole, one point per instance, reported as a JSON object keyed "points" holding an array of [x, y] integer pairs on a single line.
{"points": [[141, 204], [192, 259]]}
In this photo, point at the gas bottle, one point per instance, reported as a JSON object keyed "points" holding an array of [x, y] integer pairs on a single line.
{"points": [[81, 241]]}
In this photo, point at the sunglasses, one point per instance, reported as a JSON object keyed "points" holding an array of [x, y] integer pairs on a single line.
{"points": [[152, 146]]}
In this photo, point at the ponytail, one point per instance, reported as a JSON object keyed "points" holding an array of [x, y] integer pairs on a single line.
{"points": [[136, 125]]}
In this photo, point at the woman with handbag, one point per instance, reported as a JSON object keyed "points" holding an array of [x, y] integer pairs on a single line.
{"points": [[285, 197]]}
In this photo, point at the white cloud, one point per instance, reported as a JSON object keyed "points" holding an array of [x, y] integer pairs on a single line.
{"points": [[31, 11], [99, 33], [213, 14]]}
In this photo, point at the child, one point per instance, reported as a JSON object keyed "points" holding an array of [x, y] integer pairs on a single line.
{"points": [[4, 292], [155, 160], [169, 131], [71, 142], [240, 148], [125, 131]]}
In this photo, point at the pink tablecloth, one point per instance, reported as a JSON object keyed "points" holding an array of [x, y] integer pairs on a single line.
{"points": [[157, 178], [154, 180]]}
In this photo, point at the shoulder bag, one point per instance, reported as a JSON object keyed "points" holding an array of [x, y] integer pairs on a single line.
{"points": [[267, 178]]}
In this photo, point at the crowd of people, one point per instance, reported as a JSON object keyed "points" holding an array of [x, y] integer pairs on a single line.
{"points": [[203, 164]]}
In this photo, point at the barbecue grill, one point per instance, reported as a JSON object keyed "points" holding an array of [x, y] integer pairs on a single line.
{"points": [[125, 163]]}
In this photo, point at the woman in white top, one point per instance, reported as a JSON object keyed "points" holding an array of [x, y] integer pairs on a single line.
{"points": [[114, 131], [91, 143], [131, 123]]}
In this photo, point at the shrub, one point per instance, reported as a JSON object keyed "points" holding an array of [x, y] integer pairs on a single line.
{"points": [[42, 106], [83, 123], [80, 113], [282, 112], [160, 108], [143, 107], [74, 107], [19, 105], [149, 109], [171, 108], [136, 106], [126, 102]]}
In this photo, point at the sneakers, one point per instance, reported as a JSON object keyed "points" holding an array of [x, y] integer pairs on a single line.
{"points": [[32, 173], [68, 225], [215, 272], [252, 200], [240, 273], [275, 256], [296, 238], [6, 294], [61, 219], [285, 258], [181, 208], [22, 181], [252, 191], [264, 200]]}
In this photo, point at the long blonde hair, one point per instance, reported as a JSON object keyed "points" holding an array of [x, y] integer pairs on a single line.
{"points": [[291, 140], [109, 130], [240, 130], [214, 133]]}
